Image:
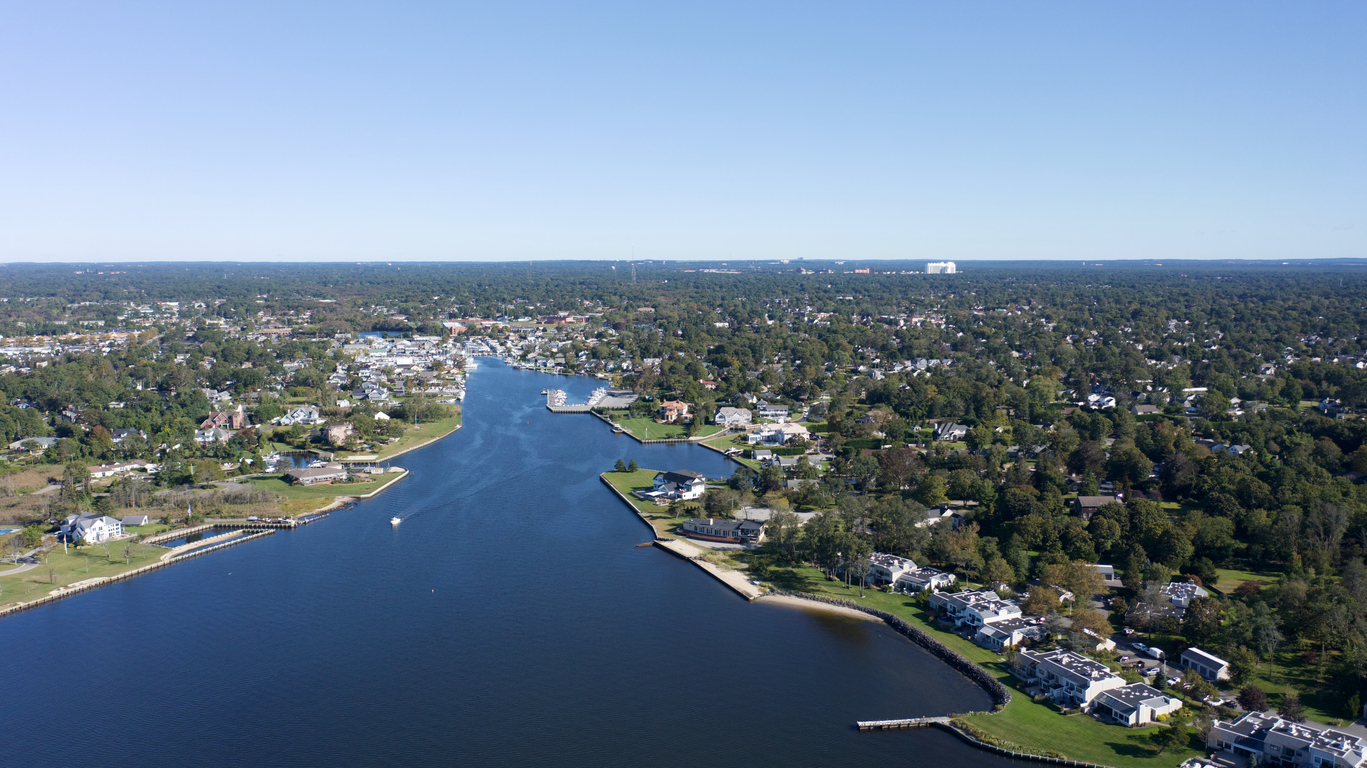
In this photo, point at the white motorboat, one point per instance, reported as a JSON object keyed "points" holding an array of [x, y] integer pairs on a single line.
{"points": [[395, 521]]}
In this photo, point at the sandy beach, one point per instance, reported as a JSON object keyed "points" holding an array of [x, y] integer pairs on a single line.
{"points": [[817, 605]]}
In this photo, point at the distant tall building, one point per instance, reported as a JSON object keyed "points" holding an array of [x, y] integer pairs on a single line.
{"points": [[940, 268]]}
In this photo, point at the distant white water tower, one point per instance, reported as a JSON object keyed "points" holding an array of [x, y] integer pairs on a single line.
{"points": [[940, 268]]}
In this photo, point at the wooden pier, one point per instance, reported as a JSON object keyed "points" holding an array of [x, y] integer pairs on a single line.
{"points": [[897, 725]]}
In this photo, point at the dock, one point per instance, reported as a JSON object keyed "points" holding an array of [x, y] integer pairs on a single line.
{"points": [[555, 401], [897, 725]]}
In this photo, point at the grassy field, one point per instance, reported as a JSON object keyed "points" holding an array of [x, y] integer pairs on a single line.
{"points": [[276, 484], [1023, 722], [735, 441], [416, 435], [1231, 579], [76, 565], [648, 429]]}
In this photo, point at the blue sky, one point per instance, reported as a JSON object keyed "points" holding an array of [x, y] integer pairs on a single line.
{"points": [[489, 131]]}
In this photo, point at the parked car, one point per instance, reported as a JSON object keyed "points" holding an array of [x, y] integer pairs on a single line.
{"points": [[1173, 681], [1156, 653]]}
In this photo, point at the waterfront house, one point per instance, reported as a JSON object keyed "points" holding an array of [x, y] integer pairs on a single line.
{"points": [[1134, 704], [673, 411], [974, 608], [337, 434], [1270, 740], [887, 569], [922, 579], [678, 484], [91, 528], [315, 475], [732, 417], [1207, 665], [1010, 632], [727, 531], [1067, 678], [780, 434]]}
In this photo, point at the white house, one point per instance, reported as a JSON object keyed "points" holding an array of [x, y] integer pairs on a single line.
{"points": [[727, 416], [211, 436], [1134, 704], [888, 569], [304, 414], [780, 434], [974, 609], [1207, 665], [1067, 678], [1181, 593], [1000, 634], [922, 579], [90, 527], [677, 484], [777, 413], [1274, 741]]}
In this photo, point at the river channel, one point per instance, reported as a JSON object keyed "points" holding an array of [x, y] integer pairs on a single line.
{"points": [[509, 620]]}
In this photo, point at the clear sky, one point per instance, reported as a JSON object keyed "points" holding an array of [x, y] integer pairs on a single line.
{"points": [[345, 130]]}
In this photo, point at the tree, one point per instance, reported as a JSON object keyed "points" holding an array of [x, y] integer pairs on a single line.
{"points": [[782, 529], [1201, 621], [33, 535], [720, 502], [1172, 736], [931, 490], [1252, 698], [620, 466], [1094, 620], [1040, 601], [1291, 708], [742, 480], [999, 572], [631, 467]]}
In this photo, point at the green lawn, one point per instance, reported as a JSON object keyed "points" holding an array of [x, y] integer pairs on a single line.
{"points": [[735, 441], [71, 566], [1230, 579], [277, 484], [415, 435], [660, 518], [649, 429], [1023, 722]]}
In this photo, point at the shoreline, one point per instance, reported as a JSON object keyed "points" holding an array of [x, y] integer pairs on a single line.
{"points": [[807, 604]]}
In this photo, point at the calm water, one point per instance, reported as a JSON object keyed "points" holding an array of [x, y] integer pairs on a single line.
{"points": [[507, 621]]}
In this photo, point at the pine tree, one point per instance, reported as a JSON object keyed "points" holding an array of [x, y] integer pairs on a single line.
{"points": [[620, 466], [632, 466]]}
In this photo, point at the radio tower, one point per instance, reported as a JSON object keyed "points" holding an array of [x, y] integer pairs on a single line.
{"points": [[633, 274]]}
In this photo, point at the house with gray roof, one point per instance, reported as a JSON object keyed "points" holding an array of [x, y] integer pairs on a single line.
{"points": [[1134, 704], [1069, 679], [1269, 739], [91, 528]]}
